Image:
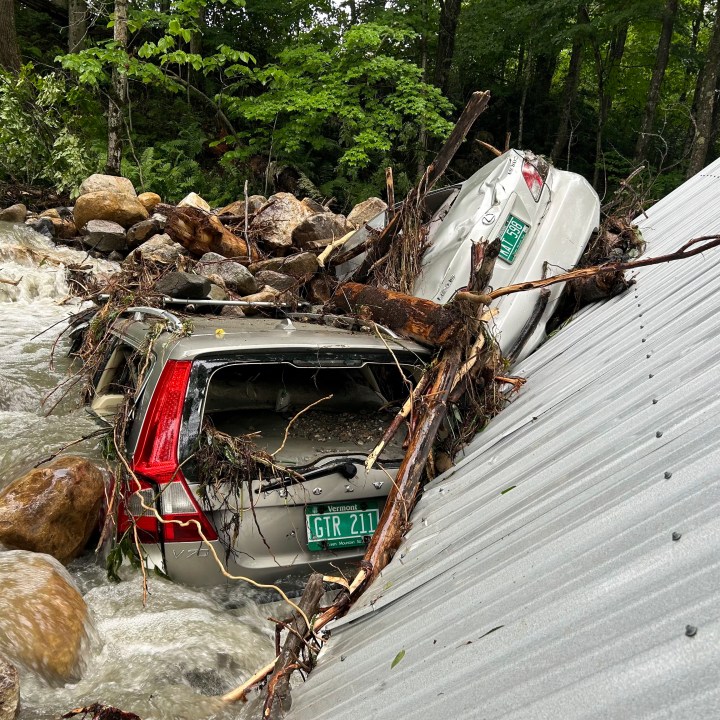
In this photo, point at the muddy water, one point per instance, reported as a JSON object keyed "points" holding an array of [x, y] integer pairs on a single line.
{"points": [[173, 657]]}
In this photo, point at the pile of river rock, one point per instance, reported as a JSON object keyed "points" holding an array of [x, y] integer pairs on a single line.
{"points": [[110, 219]]}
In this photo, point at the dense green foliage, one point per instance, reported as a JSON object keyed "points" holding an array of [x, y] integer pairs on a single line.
{"points": [[320, 97]]}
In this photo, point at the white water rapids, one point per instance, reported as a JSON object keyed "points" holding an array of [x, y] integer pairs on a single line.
{"points": [[172, 658]]}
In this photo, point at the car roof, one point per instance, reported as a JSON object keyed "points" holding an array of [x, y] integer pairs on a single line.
{"points": [[220, 335]]}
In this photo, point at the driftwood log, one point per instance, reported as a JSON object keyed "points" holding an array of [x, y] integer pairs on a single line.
{"points": [[200, 232], [408, 316], [277, 700]]}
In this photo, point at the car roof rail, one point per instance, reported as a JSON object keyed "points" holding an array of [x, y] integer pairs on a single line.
{"points": [[173, 321], [231, 303]]}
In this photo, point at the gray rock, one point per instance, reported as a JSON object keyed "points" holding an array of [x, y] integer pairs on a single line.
{"points": [[14, 214], [42, 225], [301, 265], [183, 285], [217, 293], [365, 211], [160, 249], [104, 236], [276, 280], [116, 256], [235, 276], [142, 231], [313, 205], [320, 227], [255, 202], [9, 690], [107, 183], [278, 218]]}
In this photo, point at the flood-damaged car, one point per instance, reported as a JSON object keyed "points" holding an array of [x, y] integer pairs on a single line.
{"points": [[316, 393], [314, 397], [544, 218]]}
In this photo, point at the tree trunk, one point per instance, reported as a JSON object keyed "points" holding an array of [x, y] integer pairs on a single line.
{"points": [[449, 16], [706, 102], [413, 318], [9, 52], [572, 80], [77, 25], [606, 73], [661, 61], [118, 93]]}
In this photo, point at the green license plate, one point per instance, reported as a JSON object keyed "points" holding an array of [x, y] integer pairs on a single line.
{"points": [[513, 234], [341, 525]]}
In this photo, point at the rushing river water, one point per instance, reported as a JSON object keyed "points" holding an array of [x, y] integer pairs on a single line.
{"points": [[173, 657]]}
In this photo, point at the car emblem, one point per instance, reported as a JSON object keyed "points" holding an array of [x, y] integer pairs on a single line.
{"points": [[488, 218], [378, 484], [317, 491], [349, 488]]}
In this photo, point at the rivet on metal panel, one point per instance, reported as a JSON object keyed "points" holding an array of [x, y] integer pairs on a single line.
{"points": [[690, 630], [644, 339], [655, 401], [648, 356], [651, 375], [676, 536], [667, 475], [658, 434]]}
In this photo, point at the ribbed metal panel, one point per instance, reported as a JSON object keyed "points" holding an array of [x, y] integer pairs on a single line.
{"points": [[567, 596]]}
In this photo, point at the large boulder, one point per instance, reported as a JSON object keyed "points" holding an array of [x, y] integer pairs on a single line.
{"points": [[314, 205], [104, 236], [107, 183], [44, 622], [9, 690], [149, 200], [161, 249], [236, 277], [183, 285], [320, 228], [14, 214], [194, 200], [278, 218], [53, 509], [365, 211], [255, 202], [125, 210]]}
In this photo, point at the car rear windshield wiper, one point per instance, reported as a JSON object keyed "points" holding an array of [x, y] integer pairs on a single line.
{"points": [[346, 469]]}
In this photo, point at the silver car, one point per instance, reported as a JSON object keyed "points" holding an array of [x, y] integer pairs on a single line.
{"points": [[544, 218], [252, 376]]}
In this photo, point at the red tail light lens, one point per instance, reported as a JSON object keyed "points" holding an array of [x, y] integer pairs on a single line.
{"points": [[156, 456], [534, 178]]}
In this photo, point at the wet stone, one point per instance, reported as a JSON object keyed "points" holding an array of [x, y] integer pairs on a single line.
{"points": [[236, 277], [183, 285], [276, 280]]}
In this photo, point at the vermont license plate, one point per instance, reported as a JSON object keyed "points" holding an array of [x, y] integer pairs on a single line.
{"points": [[513, 234], [341, 525]]}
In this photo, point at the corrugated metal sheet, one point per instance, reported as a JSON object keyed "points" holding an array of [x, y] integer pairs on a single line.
{"points": [[567, 596]]}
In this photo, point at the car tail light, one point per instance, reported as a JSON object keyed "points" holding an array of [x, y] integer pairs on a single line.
{"points": [[156, 464], [535, 175], [131, 512]]}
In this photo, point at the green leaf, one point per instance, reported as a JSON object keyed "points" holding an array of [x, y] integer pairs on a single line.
{"points": [[507, 490], [397, 659]]}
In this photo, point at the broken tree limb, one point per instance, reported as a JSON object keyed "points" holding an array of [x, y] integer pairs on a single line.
{"points": [[277, 701], [390, 189], [323, 256], [200, 232], [394, 519], [412, 317], [709, 242], [397, 421]]}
